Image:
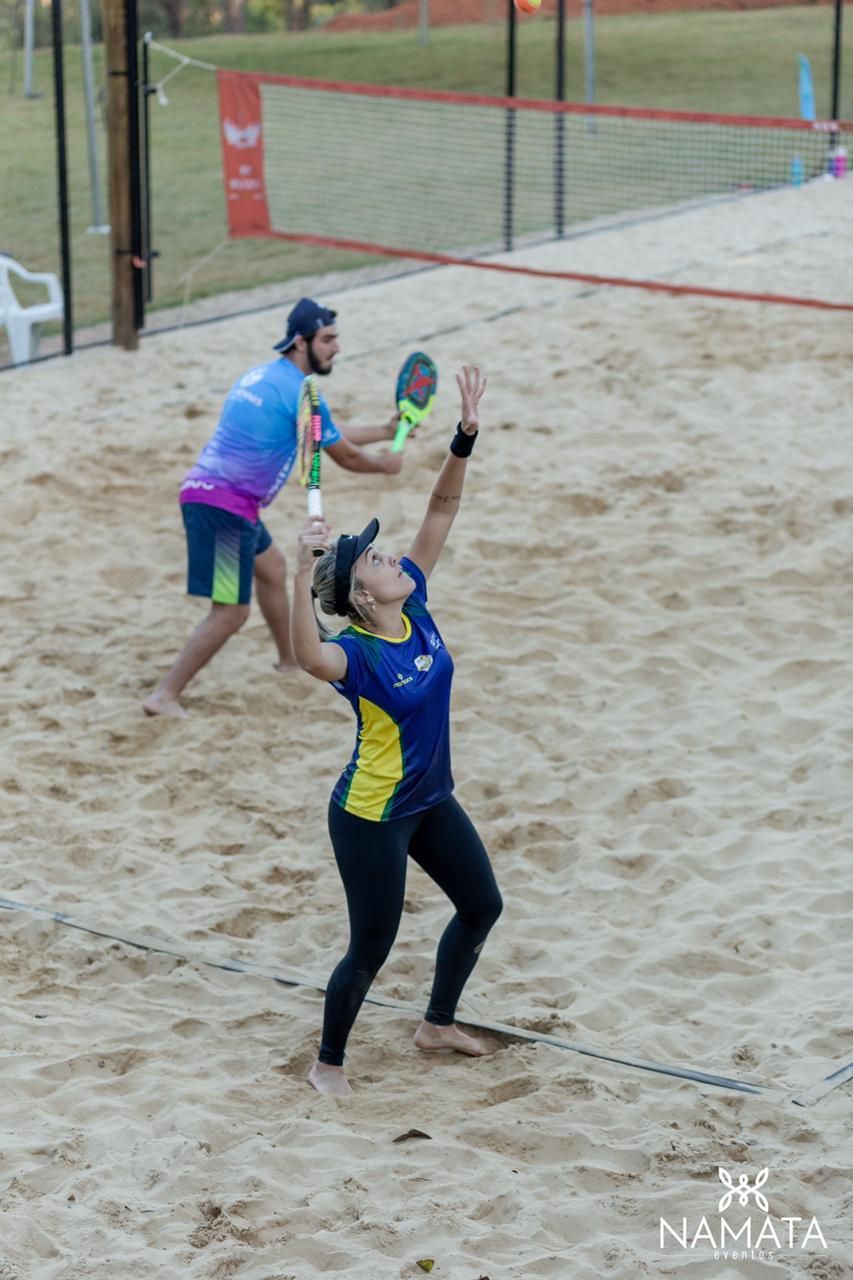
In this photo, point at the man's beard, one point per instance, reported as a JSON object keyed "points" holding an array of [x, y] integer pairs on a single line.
{"points": [[321, 370]]}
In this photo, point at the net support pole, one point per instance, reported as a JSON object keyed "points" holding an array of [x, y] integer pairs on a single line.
{"points": [[836, 63], [589, 59], [98, 226], [62, 175], [560, 124], [29, 44], [119, 89], [423, 22], [509, 146]]}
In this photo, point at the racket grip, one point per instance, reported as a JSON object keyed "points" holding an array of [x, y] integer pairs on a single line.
{"points": [[404, 426], [315, 508]]}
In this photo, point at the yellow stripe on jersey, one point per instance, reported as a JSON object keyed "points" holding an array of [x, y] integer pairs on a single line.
{"points": [[407, 631], [379, 768]]}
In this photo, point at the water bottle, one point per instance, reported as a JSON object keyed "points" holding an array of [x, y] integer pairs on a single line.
{"points": [[797, 171], [838, 161]]}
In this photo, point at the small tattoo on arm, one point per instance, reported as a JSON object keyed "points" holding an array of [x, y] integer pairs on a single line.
{"points": [[447, 497]]}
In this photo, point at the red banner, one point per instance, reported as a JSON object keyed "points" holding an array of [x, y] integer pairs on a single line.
{"points": [[243, 154]]}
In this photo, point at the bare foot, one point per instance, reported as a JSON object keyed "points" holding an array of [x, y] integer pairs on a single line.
{"points": [[326, 1079], [285, 665], [160, 704], [450, 1039]]}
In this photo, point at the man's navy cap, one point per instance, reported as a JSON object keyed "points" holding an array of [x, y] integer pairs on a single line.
{"points": [[304, 321], [350, 547]]}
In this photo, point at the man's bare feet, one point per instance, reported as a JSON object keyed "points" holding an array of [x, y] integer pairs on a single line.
{"points": [[285, 665], [326, 1079], [160, 704], [450, 1039]]}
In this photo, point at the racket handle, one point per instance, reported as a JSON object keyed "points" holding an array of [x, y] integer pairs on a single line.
{"points": [[404, 426], [315, 508]]}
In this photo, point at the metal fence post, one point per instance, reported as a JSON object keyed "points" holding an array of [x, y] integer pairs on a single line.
{"points": [[137, 250], [147, 89], [560, 124], [836, 63], [509, 140], [62, 175]]}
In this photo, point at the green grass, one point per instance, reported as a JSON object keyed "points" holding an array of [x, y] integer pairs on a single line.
{"points": [[736, 61]]}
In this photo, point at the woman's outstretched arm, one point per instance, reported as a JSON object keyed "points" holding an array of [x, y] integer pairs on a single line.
{"points": [[447, 492], [324, 661]]}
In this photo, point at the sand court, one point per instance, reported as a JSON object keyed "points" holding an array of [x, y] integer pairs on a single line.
{"points": [[648, 596]]}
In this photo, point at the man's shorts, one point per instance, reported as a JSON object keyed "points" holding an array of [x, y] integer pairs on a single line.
{"points": [[221, 549]]}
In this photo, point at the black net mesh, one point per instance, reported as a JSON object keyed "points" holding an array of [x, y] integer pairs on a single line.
{"points": [[462, 178]]}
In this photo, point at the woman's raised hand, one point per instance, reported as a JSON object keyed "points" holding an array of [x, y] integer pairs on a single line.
{"points": [[471, 387], [314, 537]]}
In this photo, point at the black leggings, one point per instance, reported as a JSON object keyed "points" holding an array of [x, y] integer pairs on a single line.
{"points": [[371, 858]]}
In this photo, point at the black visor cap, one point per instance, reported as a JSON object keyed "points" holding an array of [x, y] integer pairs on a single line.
{"points": [[350, 547]]}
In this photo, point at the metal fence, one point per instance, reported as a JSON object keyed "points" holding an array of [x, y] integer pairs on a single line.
{"points": [[54, 200]]}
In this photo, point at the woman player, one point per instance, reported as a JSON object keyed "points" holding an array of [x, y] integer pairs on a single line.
{"points": [[394, 799]]}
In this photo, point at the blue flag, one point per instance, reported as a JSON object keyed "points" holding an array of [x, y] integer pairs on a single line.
{"points": [[807, 111]]}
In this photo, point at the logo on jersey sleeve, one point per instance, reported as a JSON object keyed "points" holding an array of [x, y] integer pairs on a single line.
{"points": [[434, 640]]}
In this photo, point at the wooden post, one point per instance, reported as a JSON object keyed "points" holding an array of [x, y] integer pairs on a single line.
{"points": [[119, 89]]}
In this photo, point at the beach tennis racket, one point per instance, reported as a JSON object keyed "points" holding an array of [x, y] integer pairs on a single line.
{"points": [[309, 426], [416, 386]]}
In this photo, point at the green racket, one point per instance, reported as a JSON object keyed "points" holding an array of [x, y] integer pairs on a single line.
{"points": [[416, 386]]}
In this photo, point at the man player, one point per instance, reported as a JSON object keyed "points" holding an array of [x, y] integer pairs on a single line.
{"points": [[240, 470]]}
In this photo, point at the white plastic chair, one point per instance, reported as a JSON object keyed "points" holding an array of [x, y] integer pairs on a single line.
{"points": [[22, 323]]}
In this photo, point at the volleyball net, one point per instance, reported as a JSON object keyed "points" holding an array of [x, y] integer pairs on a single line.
{"points": [[443, 176]]}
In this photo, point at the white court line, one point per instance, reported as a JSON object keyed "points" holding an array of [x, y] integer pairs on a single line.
{"points": [[295, 979], [817, 1091]]}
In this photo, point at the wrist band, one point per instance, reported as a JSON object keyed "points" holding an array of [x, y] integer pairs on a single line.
{"points": [[462, 443]]}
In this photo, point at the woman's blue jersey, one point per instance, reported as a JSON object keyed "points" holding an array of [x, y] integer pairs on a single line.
{"points": [[400, 692]]}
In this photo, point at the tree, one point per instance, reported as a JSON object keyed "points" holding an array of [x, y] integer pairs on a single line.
{"points": [[235, 15], [297, 15], [173, 12]]}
